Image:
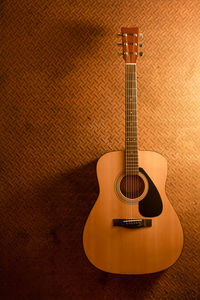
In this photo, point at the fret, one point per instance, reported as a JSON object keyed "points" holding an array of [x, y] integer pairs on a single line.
{"points": [[132, 151], [131, 148], [132, 154], [131, 169], [130, 161]]}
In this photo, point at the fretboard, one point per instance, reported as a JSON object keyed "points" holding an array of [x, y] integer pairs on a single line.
{"points": [[131, 145]]}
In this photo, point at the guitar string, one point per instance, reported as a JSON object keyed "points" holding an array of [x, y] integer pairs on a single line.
{"points": [[131, 129], [126, 136], [126, 129], [133, 104], [131, 126], [129, 110], [135, 118], [133, 99], [136, 127], [128, 133]]}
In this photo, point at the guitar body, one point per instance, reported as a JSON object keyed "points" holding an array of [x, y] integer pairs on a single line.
{"points": [[122, 250]]}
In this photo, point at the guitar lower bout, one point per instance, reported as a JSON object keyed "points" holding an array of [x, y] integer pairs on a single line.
{"points": [[124, 233]]}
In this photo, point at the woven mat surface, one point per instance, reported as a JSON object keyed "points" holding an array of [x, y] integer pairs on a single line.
{"points": [[62, 107]]}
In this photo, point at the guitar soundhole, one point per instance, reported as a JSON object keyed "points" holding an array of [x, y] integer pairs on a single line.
{"points": [[132, 186]]}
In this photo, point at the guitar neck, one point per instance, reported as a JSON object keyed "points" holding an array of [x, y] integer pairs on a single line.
{"points": [[131, 140]]}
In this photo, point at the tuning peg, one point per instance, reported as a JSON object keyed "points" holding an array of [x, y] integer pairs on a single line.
{"points": [[140, 53], [140, 44], [123, 53], [141, 35], [122, 44], [121, 34]]}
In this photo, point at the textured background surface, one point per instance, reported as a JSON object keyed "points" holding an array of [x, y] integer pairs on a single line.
{"points": [[62, 107]]}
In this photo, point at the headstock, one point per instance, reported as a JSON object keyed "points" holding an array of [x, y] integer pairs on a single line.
{"points": [[130, 43]]}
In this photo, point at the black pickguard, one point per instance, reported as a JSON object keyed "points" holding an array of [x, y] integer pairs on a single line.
{"points": [[151, 205]]}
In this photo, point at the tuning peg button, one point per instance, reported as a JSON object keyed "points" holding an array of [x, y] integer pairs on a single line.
{"points": [[140, 53], [140, 44], [141, 35]]}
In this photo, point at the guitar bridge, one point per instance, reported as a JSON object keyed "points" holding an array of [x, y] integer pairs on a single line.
{"points": [[132, 223]]}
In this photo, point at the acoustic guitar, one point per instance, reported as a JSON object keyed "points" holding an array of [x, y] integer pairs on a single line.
{"points": [[132, 228]]}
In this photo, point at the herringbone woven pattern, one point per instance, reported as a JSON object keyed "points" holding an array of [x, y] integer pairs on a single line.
{"points": [[62, 107]]}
